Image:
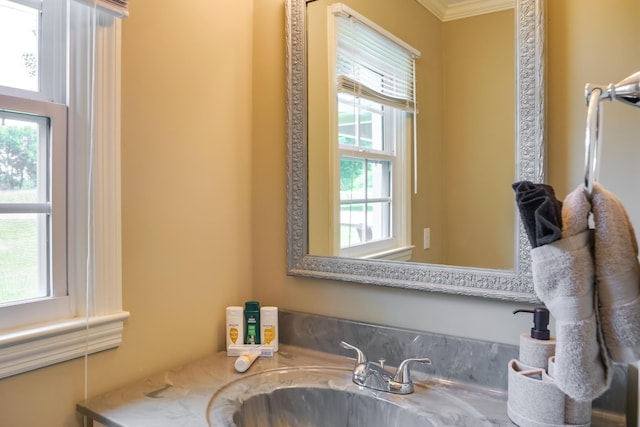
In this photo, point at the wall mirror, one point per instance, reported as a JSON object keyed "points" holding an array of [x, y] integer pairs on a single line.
{"points": [[480, 127]]}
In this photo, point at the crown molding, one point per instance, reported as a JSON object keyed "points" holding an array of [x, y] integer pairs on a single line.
{"points": [[446, 11]]}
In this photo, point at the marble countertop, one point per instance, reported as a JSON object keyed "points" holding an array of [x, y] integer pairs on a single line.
{"points": [[186, 395]]}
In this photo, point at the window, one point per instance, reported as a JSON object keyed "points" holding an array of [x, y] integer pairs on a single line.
{"points": [[375, 102], [367, 161], [60, 285], [32, 209]]}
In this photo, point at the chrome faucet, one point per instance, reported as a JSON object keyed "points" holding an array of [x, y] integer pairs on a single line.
{"points": [[376, 377]]}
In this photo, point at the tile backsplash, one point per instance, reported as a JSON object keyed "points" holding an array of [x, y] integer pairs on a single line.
{"points": [[465, 360]]}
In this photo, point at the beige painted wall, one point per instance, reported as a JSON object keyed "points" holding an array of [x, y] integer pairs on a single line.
{"points": [[605, 55], [187, 255], [186, 202], [479, 130]]}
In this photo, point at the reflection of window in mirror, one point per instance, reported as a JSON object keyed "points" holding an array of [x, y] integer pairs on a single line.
{"points": [[374, 104]]}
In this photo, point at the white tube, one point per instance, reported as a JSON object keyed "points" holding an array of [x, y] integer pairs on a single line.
{"points": [[245, 360]]}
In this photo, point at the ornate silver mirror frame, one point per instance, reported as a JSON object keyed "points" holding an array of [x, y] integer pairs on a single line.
{"points": [[516, 284]]}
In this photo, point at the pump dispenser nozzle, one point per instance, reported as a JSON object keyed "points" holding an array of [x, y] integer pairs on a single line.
{"points": [[540, 322]]}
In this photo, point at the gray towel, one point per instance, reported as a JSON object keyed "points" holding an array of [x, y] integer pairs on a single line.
{"points": [[617, 276], [563, 277]]}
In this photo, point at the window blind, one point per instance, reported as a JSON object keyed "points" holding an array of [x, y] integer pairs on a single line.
{"points": [[372, 63]]}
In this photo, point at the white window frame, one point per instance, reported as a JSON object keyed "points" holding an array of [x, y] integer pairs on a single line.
{"points": [[92, 317], [395, 152], [58, 305], [398, 246]]}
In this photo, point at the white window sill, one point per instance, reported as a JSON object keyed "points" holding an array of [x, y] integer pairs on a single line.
{"points": [[398, 254], [41, 345]]}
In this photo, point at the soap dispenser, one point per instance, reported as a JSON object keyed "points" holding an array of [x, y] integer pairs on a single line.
{"points": [[534, 399], [537, 346]]}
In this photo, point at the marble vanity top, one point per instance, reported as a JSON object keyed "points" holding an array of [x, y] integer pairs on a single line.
{"points": [[182, 396]]}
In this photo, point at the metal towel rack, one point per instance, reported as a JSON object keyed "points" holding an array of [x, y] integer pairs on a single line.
{"points": [[626, 91]]}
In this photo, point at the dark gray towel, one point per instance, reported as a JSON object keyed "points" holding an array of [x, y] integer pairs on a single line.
{"points": [[540, 212]]}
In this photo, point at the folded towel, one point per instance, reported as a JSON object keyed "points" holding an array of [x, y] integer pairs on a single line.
{"points": [[563, 278], [617, 276], [540, 212]]}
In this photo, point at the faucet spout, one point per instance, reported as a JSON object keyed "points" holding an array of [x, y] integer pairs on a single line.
{"points": [[375, 377]]}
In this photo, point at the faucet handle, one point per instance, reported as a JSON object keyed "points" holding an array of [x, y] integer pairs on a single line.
{"points": [[403, 375], [361, 358]]}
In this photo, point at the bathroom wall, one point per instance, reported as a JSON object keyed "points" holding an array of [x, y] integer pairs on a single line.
{"points": [[186, 202], [606, 54], [574, 58], [204, 197], [479, 129]]}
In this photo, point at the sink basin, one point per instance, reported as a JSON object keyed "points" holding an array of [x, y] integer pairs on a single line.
{"points": [[306, 406], [313, 396]]}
